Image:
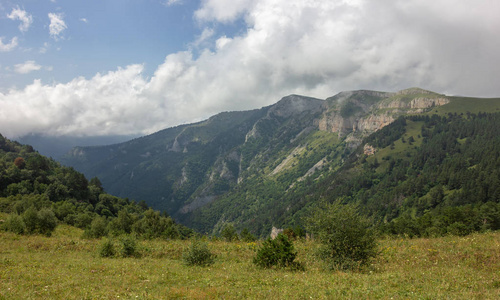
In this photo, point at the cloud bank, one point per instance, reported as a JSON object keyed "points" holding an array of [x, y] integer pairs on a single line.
{"points": [[315, 48]]}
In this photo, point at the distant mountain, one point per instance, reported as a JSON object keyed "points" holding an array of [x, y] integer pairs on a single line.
{"points": [[57, 146], [267, 166]]}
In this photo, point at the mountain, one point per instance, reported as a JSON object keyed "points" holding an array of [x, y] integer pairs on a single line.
{"points": [[265, 167]]}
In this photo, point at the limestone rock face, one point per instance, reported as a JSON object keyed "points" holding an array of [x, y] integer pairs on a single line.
{"points": [[357, 114]]}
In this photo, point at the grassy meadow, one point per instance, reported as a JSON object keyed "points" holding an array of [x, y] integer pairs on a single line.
{"points": [[65, 266]]}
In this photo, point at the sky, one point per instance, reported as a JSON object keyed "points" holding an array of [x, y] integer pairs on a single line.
{"points": [[128, 67]]}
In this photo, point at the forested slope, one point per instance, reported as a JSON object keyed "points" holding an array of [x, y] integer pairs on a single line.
{"points": [[39, 193]]}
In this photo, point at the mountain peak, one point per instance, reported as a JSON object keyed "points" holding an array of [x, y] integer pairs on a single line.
{"points": [[295, 104]]}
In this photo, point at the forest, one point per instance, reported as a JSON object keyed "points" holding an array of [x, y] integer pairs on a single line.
{"points": [[38, 193]]}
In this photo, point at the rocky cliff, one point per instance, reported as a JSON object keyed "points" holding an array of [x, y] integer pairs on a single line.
{"points": [[357, 114]]}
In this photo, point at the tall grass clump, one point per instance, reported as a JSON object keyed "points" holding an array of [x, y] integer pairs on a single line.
{"points": [[348, 242], [198, 254]]}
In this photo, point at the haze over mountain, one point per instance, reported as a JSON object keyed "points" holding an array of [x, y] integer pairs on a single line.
{"points": [[266, 166], [57, 146]]}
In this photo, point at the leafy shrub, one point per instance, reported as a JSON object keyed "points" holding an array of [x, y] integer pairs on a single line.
{"points": [[229, 233], [247, 236], [107, 248], [347, 240], [47, 221], [98, 228], [278, 252], [43, 222], [129, 246], [30, 219], [198, 254], [14, 223]]}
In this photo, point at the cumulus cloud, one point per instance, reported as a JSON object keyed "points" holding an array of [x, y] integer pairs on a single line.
{"points": [[9, 46], [84, 20], [315, 48], [27, 67], [21, 15], [57, 25]]}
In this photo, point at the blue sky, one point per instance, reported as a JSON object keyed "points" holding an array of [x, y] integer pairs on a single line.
{"points": [[98, 36], [123, 67]]}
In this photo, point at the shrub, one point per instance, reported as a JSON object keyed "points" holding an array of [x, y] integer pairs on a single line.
{"points": [[198, 254], [14, 223], [129, 246], [247, 236], [107, 248], [278, 252], [47, 221], [229, 233], [98, 228], [43, 222], [347, 240], [30, 219]]}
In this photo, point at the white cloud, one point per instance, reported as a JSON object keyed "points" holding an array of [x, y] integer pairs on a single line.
{"points": [[21, 15], [223, 10], [27, 67], [310, 47], [173, 2], [57, 25], [84, 20], [9, 46]]}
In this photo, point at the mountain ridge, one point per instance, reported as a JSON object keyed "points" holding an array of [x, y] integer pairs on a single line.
{"points": [[249, 160]]}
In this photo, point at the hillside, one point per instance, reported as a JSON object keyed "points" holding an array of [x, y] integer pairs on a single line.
{"points": [[38, 194], [265, 167]]}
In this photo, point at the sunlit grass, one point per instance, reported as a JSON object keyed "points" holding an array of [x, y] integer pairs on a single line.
{"points": [[65, 266]]}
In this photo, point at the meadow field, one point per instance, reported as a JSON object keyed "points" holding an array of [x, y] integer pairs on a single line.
{"points": [[65, 266]]}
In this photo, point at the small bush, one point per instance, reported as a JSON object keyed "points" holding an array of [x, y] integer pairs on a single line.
{"points": [[107, 248], [247, 236], [198, 254], [30, 219], [43, 222], [228, 233], [47, 221], [14, 223], [98, 228], [129, 246], [278, 252]]}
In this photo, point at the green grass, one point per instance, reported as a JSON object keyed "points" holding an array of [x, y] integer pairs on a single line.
{"points": [[66, 267], [465, 104], [413, 128]]}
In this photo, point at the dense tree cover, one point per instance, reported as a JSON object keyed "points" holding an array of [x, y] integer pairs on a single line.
{"points": [[448, 183], [39, 193]]}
